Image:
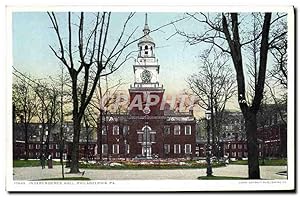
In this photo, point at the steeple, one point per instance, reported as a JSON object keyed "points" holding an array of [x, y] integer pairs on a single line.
{"points": [[146, 67], [146, 29]]}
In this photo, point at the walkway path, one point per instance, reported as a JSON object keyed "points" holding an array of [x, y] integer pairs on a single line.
{"points": [[36, 173]]}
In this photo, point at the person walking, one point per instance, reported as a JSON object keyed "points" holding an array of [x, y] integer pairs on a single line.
{"points": [[50, 162], [42, 159]]}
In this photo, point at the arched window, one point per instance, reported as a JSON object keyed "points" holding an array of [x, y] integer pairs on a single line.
{"points": [[146, 47], [151, 48], [140, 48]]}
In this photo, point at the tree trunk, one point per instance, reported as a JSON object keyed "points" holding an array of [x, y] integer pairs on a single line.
{"points": [[74, 168], [252, 145], [99, 150], [26, 142]]}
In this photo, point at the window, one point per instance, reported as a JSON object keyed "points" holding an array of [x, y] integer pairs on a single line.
{"points": [[57, 154], [152, 137], [240, 146], [57, 146], [104, 148], [167, 148], [188, 148], [167, 130], [176, 148], [127, 148], [37, 146], [146, 47], [50, 146], [233, 146], [177, 130], [104, 130], [233, 154], [259, 146], [140, 138], [30, 146], [187, 130], [115, 149], [115, 130], [126, 130]]}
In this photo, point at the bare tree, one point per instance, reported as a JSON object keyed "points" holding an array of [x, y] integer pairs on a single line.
{"points": [[48, 109], [213, 85], [24, 101], [278, 48], [226, 31]]}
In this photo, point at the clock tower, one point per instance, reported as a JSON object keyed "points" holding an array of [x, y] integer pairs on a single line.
{"points": [[146, 89], [146, 67], [146, 95]]}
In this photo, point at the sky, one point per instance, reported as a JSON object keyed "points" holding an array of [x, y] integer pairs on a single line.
{"points": [[32, 35]]}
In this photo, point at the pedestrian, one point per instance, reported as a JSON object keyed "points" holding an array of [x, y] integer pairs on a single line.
{"points": [[42, 159], [50, 162]]}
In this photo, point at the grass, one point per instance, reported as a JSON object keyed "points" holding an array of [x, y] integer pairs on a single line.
{"points": [[220, 178], [67, 179], [267, 162], [30, 163]]}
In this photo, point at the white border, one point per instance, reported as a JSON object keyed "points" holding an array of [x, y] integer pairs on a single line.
{"points": [[228, 185]]}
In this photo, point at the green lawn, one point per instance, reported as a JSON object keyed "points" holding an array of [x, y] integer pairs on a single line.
{"points": [[267, 162], [220, 178], [30, 163], [67, 179]]}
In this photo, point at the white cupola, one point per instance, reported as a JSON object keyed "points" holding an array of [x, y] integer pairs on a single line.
{"points": [[146, 67], [146, 44]]}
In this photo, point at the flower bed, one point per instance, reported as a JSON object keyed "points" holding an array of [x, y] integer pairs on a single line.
{"points": [[149, 164]]}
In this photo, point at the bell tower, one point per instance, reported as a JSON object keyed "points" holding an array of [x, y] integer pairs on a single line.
{"points": [[146, 67], [146, 71]]}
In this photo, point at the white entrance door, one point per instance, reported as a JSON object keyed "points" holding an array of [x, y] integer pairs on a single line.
{"points": [[146, 151]]}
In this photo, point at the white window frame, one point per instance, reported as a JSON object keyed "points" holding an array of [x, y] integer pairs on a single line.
{"points": [[116, 131], [126, 127], [190, 148], [179, 149], [104, 146], [185, 129], [240, 146], [50, 146], [104, 130], [168, 129], [57, 154], [175, 130], [127, 148], [56, 146], [115, 148], [167, 148], [37, 146]]}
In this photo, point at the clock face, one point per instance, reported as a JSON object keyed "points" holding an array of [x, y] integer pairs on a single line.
{"points": [[146, 76]]}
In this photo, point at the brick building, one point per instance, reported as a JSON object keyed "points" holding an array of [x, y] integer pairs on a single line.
{"points": [[272, 136], [150, 129]]}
